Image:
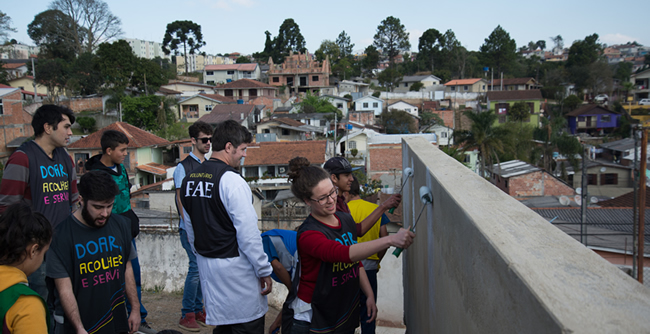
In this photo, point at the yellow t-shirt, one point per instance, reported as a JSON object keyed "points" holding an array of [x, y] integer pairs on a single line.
{"points": [[360, 209], [27, 315]]}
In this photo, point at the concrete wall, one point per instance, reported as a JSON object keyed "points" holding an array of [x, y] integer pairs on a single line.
{"points": [[484, 263]]}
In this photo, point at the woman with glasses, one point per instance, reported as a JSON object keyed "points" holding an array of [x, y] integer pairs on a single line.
{"points": [[331, 275]]}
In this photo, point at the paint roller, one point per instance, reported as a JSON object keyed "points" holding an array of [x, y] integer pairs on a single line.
{"points": [[427, 198], [408, 171]]}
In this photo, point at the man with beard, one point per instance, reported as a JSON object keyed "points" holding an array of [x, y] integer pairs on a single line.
{"points": [[192, 313], [90, 262]]}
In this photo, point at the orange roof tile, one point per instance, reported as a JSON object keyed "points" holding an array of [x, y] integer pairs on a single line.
{"points": [[239, 67], [287, 121], [462, 82], [12, 66], [137, 137], [245, 83], [218, 97], [224, 112], [279, 153], [153, 168]]}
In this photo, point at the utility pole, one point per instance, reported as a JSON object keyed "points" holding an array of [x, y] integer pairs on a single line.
{"points": [[583, 195], [34, 82], [642, 181], [635, 211]]}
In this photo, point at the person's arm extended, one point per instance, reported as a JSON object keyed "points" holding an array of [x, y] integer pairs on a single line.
{"points": [[69, 303], [383, 232], [402, 239], [178, 201], [370, 297], [282, 273], [368, 222], [132, 295]]}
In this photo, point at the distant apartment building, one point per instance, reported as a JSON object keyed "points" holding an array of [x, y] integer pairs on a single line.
{"points": [[300, 73], [197, 62], [220, 74], [146, 49], [18, 51]]}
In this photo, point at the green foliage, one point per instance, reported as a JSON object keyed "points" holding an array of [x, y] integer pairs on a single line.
{"points": [[397, 122], [243, 60], [145, 112], [429, 47], [371, 60], [389, 78], [288, 39], [48, 31], [376, 93], [5, 26], [489, 139], [519, 112], [416, 87], [368, 187], [499, 51], [585, 65], [391, 38], [116, 63], [185, 33], [429, 119], [518, 143], [84, 79], [53, 74], [87, 124], [572, 102], [344, 44], [174, 131], [454, 152], [315, 104], [354, 152], [328, 48]]}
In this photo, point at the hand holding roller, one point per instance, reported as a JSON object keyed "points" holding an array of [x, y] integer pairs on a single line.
{"points": [[427, 198]]}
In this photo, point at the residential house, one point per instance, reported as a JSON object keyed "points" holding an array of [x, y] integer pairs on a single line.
{"points": [[369, 102], [300, 73], [356, 89], [321, 121], [364, 117], [245, 89], [604, 179], [521, 179], [15, 70], [27, 83], [18, 51], [513, 84], [619, 151], [144, 161], [401, 105], [16, 122], [246, 114], [220, 74], [445, 114], [502, 101], [444, 135], [188, 89], [355, 139], [476, 85], [641, 81], [594, 119], [286, 110], [267, 163], [286, 129], [340, 103], [409, 80], [199, 105]]}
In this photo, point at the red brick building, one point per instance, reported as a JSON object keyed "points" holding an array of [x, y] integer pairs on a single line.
{"points": [[520, 179], [300, 73], [16, 122]]}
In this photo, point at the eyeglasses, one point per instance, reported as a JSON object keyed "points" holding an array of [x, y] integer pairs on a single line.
{"points": [[323, 200], [204, 140]]}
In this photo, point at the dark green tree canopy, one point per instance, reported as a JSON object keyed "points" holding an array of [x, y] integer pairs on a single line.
{"points": [[391, 38], [50, 31], [289, 39], [398, 121], [499, 50], [185, 33], [5, 26], [328, 48], [243, 60], [344, 44], [429, 47], [371, 60], [519, 112]]}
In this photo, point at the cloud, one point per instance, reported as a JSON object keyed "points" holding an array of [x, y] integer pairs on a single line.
{"points": [[612, 39]]}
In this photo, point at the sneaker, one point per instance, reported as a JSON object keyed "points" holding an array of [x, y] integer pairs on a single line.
{"points": [[200, 318], [188, 322], [145, 329]]}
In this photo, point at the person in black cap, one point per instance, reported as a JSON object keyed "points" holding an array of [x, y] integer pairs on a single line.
{"points": [[341, 174]]}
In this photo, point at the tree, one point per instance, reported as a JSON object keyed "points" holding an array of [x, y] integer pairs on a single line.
{"points": [[572, 102], [53, 74], [50, 32], [428, 120], [145, 112], [289, 39], [315, 104], [117, 65], [519, 112], [93, 23], [541, 44], [416, 87], [558, 41], [583, 54], [371, 60], [243, 60], [484, 135], [5, 26], [429, 48], [328, 49], [344, 44], [268, 49], [397, 121], [83, 78], [87, 124], [391, 38], [389, 78], [186, 33], [499, 50]]}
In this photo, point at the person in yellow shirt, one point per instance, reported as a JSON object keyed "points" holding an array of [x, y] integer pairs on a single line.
{"points": [[25, 236], [360, 209]]}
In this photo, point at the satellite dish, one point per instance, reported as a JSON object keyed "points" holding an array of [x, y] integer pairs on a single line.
{"points": [[579, 191], [603, 169], [593, 199], [578, 199], [564, 200]]}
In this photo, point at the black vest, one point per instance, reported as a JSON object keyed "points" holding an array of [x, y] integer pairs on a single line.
{"points": [[335, 302], [214, 233], [189, 163]]}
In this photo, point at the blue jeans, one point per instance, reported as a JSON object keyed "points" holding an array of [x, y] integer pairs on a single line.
{"points": [[37, 282], [368, 328], [135, 264], [192, 295]]}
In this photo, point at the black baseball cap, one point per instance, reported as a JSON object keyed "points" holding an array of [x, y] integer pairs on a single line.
{"points": [[338, 165]]}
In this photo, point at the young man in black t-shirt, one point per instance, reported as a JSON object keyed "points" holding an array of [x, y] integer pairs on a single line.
{"points": [[90, 264]]}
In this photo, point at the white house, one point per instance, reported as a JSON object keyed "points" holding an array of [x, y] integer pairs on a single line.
{"points": [[356, 139], [219, 74], [350, 87], [410, 80], [401, 105], [444, 134], [369, 102], [340, 103]]}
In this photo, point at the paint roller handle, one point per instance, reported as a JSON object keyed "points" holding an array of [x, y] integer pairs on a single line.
{"points": [[393, 202], [398, 250]]}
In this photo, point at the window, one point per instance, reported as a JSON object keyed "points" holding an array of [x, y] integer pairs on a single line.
{"points": [[228, 92], [231, 72], [276, 79], [270, 170], [592, 179], [443, 135], [267, 130], [452, 88], [323, 122], [581, 118], [210, 82], [365, 104], [187, 149], [406, 84], [339, 105], [353, 144], [285, 132], [247, 74], [2, 109], [194, 108], [208, 107], [466, 88], [483, 87], [209, 72], [606, 118], [467, 159], [314, 78], [375, 104], [610, 178], [250, 172]]}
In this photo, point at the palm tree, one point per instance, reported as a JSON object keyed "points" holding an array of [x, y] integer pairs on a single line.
{"points": [[484, 135]]}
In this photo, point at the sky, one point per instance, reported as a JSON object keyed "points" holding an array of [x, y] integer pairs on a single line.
{"points": [[238, 25]]}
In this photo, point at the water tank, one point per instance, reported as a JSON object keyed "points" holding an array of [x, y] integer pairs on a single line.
{"points": [[240, 101], [228, 80]]}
